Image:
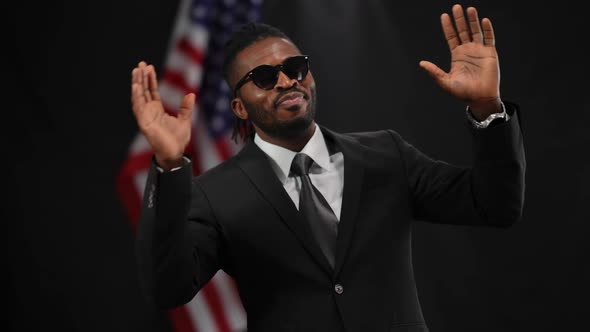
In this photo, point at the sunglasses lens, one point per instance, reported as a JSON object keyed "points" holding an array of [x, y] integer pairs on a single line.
{"points": [[265, 77], [296, 67]]}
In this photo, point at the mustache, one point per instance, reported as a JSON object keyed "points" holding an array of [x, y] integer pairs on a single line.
{"points": [[290, 90]]}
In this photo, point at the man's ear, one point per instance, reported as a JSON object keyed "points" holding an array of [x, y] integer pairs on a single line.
{"points": [[239, 110]]}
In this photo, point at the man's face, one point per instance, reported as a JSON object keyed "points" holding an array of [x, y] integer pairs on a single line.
{"points": [[285, 111]]}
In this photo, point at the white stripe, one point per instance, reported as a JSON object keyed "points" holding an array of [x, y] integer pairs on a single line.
{"points": [[200, 315], [139, 144], [232, 306], [198, 37], [190, 70], [171, 96]]}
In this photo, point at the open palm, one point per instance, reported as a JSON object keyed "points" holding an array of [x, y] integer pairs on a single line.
{"points": [[167, 134], [474, 76]]}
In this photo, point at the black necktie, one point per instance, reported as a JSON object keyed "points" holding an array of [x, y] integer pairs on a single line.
{"points": [[316, 210]]}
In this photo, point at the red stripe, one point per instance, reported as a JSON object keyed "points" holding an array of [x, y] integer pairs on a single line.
{"points": [[195, 54], [181, 320], [138, 161], [213, 299], [125, 183], [176, 79]]}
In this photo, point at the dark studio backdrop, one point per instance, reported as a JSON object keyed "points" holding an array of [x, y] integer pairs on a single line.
{"points": [[67, 238]]}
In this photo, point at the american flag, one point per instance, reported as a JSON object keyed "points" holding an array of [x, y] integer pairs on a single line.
{"points": [[194, 64]]}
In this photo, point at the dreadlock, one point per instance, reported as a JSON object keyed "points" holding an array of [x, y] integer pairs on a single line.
{"points": [[241, 38]]}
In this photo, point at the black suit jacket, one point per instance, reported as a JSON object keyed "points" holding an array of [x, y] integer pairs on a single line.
{"points": [[237, 217]]}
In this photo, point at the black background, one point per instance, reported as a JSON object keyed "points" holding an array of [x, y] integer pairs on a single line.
{"points": [[68, 125]]}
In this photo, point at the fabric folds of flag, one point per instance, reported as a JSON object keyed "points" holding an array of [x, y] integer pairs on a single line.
{"points": [[194, 64]]}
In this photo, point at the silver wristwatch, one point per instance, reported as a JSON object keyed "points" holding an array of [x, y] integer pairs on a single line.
{"points": [[485, 123]]}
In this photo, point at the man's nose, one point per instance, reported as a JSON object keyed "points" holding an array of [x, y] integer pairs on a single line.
{"points": [[285, 82]]}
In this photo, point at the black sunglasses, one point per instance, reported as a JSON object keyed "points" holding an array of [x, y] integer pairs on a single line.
{"points": [[266, 76]]}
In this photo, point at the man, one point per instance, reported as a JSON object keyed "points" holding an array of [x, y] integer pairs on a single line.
{"points": [[313, 225]]}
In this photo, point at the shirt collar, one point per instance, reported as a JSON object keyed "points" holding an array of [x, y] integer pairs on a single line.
{"points": [[282, 158]]}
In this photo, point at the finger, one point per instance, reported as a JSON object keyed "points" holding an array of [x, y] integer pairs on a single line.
{"points": [[153, 82], [449, 31], [186, 107], [434, 71], [476, 34], [461, 24], [488, 32], [138, 71], [134, 76], [137, 98], [134, 80], [144, 73]]}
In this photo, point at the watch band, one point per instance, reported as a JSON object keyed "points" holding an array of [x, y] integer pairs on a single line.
{"points": [[186, 162], [485, 123]]}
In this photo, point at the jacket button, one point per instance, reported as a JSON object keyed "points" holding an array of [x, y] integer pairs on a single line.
{"points": [[338, 289]]}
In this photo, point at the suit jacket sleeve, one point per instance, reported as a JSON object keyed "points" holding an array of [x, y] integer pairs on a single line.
{"points": [[491, 192], [178, 240]]}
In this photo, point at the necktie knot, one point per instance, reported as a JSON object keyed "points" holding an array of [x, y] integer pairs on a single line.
{"points": [[301, 164]]}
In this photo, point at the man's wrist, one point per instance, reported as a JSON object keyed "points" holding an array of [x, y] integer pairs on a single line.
{"points": [[171, 167], [499, 116]]}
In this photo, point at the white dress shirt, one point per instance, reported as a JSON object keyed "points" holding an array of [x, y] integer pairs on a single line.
{"points": [[326, 173]]}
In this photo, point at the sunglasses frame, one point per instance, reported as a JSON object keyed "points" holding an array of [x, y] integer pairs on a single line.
{"points": [[279, 68]]}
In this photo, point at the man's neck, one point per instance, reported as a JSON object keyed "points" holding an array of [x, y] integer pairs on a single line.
{"points": [[295, 144]]}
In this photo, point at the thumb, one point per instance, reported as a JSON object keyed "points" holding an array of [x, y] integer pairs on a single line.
{"points": [[433, 70], [186, 107]]}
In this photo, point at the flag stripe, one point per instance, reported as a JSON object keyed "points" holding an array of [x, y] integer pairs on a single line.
{"points": [[126, 187], [200, 314], [177, 80], [216, 307], [185, 47], [231, 299], [181, 320], [193, 73]]}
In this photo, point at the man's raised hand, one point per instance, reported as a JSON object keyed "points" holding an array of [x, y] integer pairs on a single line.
{"points": [[474, 76], [167, 134]]}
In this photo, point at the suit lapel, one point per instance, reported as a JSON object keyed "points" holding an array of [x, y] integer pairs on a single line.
{"points": [[353, 179], [257, 167]]}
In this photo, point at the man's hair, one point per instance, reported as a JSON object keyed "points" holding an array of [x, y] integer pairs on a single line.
{"points": [[246, 35]]}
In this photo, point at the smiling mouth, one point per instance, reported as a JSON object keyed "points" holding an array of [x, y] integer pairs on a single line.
{"points": [[291, 101]]}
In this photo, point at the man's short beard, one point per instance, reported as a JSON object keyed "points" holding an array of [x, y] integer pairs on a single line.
{"points": [[282, 129]]}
